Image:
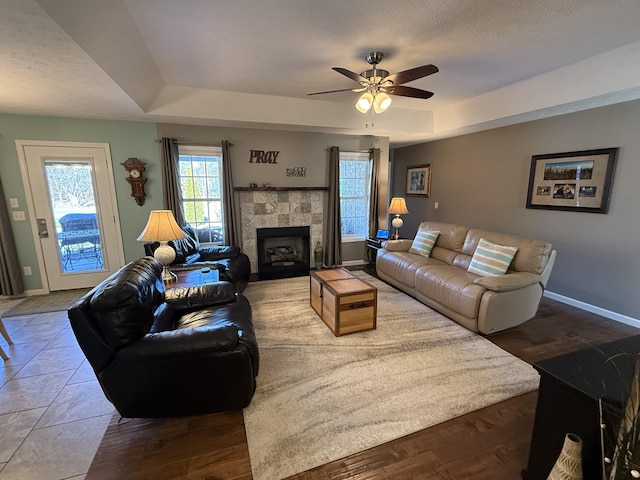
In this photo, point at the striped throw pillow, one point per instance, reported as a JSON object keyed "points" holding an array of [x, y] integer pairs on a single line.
{"points": [[424, 242], [491, 259]]}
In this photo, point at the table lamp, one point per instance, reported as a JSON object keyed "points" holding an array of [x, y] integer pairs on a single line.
{"points": [[397, 207], [162, 227]]}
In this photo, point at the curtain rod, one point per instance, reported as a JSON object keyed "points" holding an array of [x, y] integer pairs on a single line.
{"points": [[191, 144], [352, 151]]}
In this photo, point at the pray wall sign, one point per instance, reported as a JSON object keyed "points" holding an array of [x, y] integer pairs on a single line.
{"points": [[262, 156]]}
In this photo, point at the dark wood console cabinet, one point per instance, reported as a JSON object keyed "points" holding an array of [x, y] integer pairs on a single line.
{"points": [[570, 386], [373, 244]]}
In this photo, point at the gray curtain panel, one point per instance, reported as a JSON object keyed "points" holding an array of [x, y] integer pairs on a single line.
{"points": [[10, 274], [231, 212], [374, 157], [172, 195], [333, 229]]}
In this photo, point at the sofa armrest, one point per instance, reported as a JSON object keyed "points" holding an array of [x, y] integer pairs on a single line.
{"points": [[200, 296], [218, 252], [183, 342], [508, 282], [402, 245]]}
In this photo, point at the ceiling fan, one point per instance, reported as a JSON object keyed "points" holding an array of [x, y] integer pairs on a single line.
{"points": [[377, 84]]}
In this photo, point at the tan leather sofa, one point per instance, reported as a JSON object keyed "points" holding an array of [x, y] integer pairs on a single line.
{"points": [[441, 281]]}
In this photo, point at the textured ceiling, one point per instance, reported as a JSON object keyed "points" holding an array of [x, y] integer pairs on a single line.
{"points": [[222, 62], [286, 48]]}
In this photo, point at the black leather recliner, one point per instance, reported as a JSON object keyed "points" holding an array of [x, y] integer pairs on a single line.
{"points": [[233, 265], [157, 353]]}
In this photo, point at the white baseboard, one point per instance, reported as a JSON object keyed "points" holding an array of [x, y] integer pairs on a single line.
{"points": [[618, 317], [351, 263]]}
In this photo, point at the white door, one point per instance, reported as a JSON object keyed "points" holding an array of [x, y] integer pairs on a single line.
{"points": [[70, 196]]}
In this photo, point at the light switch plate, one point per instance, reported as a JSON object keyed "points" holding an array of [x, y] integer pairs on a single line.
{"points": [[14, 202]]}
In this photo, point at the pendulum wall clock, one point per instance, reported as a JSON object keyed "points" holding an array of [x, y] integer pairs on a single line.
{"points": [[136, 179]]}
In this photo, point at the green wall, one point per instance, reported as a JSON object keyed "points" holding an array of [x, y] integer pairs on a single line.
{"points": [[125, 139]]}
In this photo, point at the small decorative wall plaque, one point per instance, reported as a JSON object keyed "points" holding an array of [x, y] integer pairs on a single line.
{"points": [[297, 172]]}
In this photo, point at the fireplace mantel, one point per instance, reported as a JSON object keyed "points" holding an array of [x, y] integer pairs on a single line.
{"points": [[277, 189]]}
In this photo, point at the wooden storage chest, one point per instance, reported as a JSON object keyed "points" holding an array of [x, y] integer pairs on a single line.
{"points": [[344, 302]]}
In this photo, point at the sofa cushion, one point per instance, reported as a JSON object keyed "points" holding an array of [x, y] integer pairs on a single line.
{"points": [[532, 256], [186, 250], [423, 243], [452, 287], [125, 303], [218, 252], [403, 265], [491, 259], [452, 237], [198, 297]]}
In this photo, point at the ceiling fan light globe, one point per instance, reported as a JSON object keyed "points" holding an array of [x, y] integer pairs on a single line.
{"points": [[364, 102], [381, 102]]}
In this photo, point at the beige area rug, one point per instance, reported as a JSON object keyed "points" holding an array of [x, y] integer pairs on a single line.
{"points": [[321, 398], [52, 302]]}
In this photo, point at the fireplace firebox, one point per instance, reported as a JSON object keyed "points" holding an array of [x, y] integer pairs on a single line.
{"points": [[283, 252]]}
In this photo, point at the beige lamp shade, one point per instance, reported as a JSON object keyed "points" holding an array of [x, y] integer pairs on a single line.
{"points": [[161, 227], [398, 206]]}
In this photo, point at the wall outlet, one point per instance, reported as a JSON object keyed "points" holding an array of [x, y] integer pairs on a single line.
{"points": [[18, 216], [27, 271]]}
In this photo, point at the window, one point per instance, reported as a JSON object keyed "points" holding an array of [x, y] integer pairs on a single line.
{"points": [[201, 185], [355, 182]]}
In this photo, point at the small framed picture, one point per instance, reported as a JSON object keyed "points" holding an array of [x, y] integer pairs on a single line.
{"points": [[418, 180], [573, 181]]}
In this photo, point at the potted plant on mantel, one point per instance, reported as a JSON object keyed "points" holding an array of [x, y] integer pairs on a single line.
{"points": [[621, 452]]}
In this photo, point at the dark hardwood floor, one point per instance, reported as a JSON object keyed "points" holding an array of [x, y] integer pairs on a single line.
{"points": [[491, 443]]}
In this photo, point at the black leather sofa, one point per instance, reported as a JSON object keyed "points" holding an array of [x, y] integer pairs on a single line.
{"points": [[232, 264], [157, 353]]}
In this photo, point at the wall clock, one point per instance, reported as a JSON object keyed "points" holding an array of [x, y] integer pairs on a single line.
{"points": [[136, 179]]}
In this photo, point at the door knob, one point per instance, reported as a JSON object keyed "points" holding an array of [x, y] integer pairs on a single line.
{"points": [[42, 228]]}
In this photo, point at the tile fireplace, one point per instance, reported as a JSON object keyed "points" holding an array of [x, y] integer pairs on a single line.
{"points": [[283, 207]]}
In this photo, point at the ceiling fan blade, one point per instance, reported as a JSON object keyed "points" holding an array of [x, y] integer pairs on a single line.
{"points": [[335, 91], [411, 74], [407, 92], [350, 74]]}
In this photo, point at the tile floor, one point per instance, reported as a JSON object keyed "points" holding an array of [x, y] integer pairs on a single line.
{"points": [[53, 413]]}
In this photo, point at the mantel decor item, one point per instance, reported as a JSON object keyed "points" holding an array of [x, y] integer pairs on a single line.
{"points": [[573, 181], [397, 207], [418, 180], [569, 463], [162, 227], [317, 255]]}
